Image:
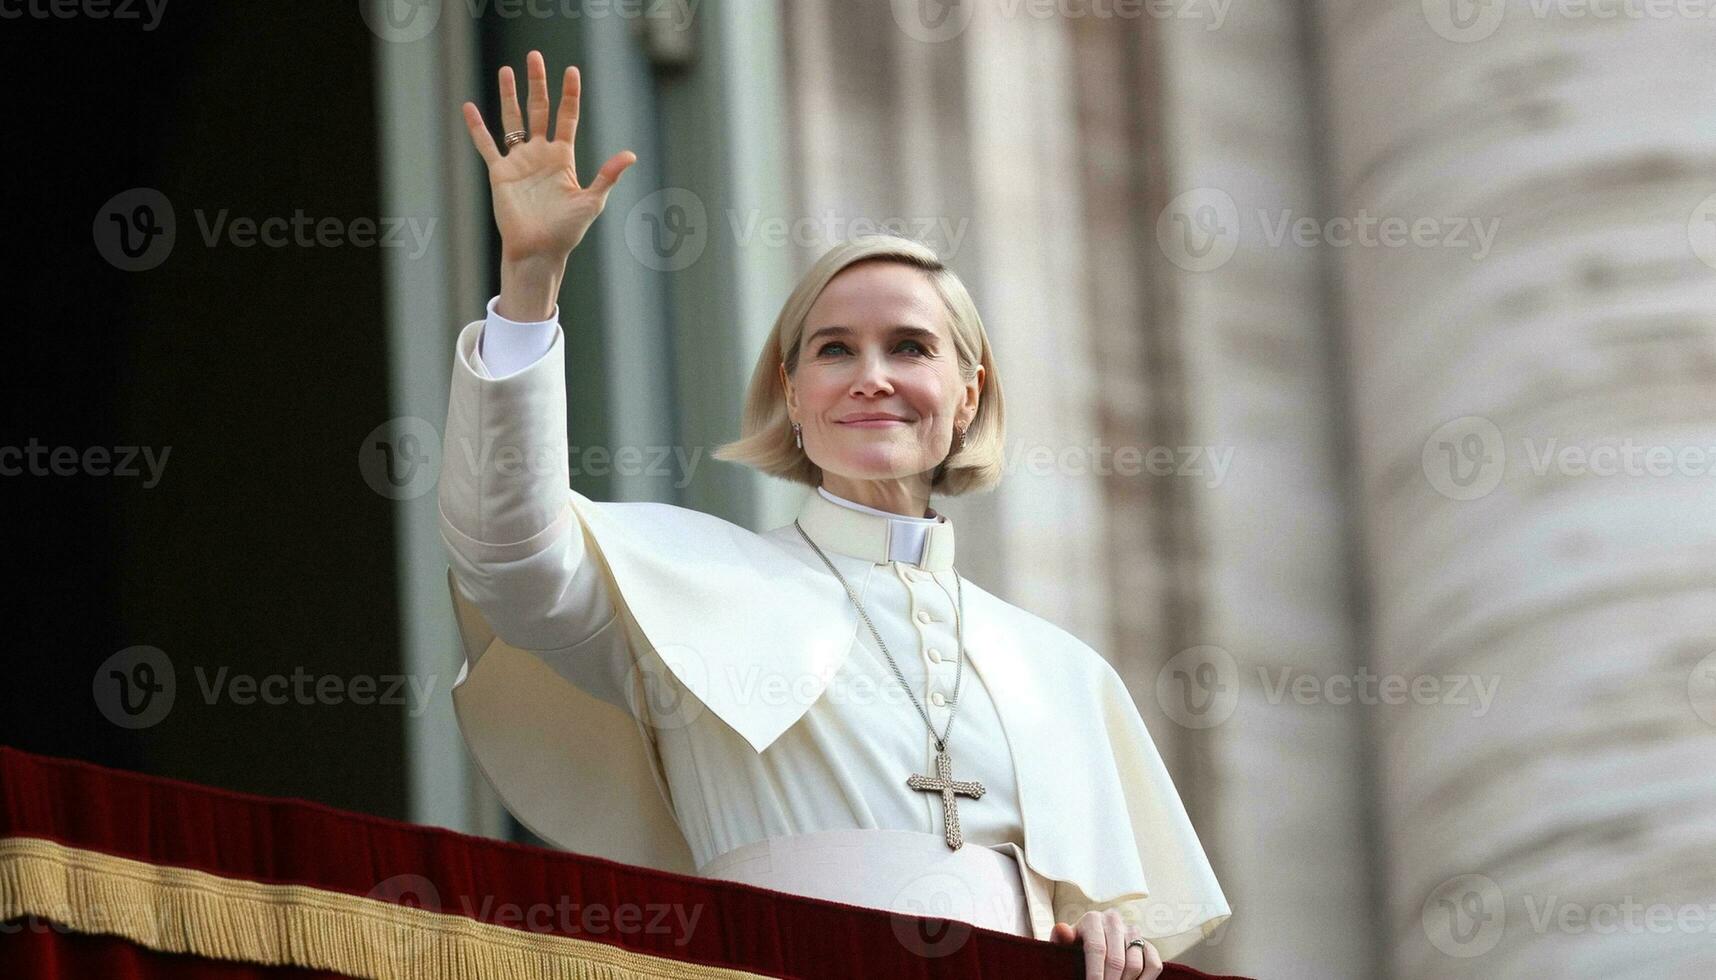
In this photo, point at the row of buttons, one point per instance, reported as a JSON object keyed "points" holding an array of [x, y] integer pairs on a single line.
{"points": [[924, 618]]}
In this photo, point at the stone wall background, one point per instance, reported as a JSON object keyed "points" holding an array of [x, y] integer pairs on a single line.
{"points": [[1422, 630]]}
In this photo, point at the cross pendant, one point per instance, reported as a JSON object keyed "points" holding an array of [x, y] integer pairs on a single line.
{"points": [[944, 783]]}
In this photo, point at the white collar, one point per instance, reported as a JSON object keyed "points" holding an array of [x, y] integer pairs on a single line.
{"points": [[851, 528]]}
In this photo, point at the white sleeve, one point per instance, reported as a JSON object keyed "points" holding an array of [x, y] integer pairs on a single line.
{"points": [[514, 542], [510, 346]]}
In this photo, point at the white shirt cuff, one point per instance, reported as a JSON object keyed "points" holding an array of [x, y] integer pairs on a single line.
{"points": [[508, 346]]}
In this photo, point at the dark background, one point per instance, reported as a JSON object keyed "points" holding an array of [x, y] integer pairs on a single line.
{"points": [[258, 370]]}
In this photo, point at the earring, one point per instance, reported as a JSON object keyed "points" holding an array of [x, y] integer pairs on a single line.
{"points": [[798, 434], [961, 446]]}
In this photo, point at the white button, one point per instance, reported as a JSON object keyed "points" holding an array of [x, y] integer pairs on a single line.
{"points": [[937, 700], [923, 617], [934, 655]]}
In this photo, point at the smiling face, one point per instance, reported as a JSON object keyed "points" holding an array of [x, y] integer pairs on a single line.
{"points": [[877, 386]]}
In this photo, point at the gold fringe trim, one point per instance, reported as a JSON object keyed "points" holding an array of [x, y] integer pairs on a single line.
{"points": [[180, 910]]}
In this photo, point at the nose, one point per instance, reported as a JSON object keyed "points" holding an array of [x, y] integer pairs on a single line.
{"points": [[872, 376]]}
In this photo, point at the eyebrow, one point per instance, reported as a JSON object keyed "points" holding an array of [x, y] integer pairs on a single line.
{"points": [[897, 330]]}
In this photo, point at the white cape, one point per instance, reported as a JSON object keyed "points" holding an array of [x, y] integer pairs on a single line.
{"points": [[1100, 811]]}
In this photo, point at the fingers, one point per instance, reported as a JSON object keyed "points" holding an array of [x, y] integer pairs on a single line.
{"points": [[566, 123], [480, 136], [1114, 948], [1135, 961], [1095, 945], [1106, 955], [610, 173], [536, 76], [512, 120]]}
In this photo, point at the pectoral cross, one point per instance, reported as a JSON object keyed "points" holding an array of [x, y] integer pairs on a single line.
{"points": [[944, 783]]}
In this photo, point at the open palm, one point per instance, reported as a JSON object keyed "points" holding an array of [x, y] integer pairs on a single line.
{"points": [[540, 209]]}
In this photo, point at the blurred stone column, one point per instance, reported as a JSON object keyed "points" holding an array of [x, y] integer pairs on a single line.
{"points": [[1263, 651], [1189, 514], [1536, 417]]}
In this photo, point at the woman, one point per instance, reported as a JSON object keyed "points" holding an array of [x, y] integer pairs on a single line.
{"points": [[660, 686]]}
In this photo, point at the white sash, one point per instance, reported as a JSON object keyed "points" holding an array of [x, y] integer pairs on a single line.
{"points": [[902, 871]]}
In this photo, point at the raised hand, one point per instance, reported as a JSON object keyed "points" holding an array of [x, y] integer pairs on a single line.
{"points": [[540, 209]]}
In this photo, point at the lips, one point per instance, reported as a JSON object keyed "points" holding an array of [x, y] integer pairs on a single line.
{"points": [[874, 423], [856, 419]]}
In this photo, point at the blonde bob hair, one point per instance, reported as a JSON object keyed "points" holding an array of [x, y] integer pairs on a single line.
{"points": [[766, 440]]}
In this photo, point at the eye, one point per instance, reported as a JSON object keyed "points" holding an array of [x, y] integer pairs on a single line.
{"points": [[922, 351]]}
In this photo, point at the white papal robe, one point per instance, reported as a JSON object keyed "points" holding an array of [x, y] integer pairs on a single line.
{"points": [[662, 687]]}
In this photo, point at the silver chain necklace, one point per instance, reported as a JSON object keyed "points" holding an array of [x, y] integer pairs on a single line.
{"points": [[942, 782]]}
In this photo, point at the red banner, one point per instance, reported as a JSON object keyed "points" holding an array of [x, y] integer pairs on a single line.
{"points": [[106, 873]]}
